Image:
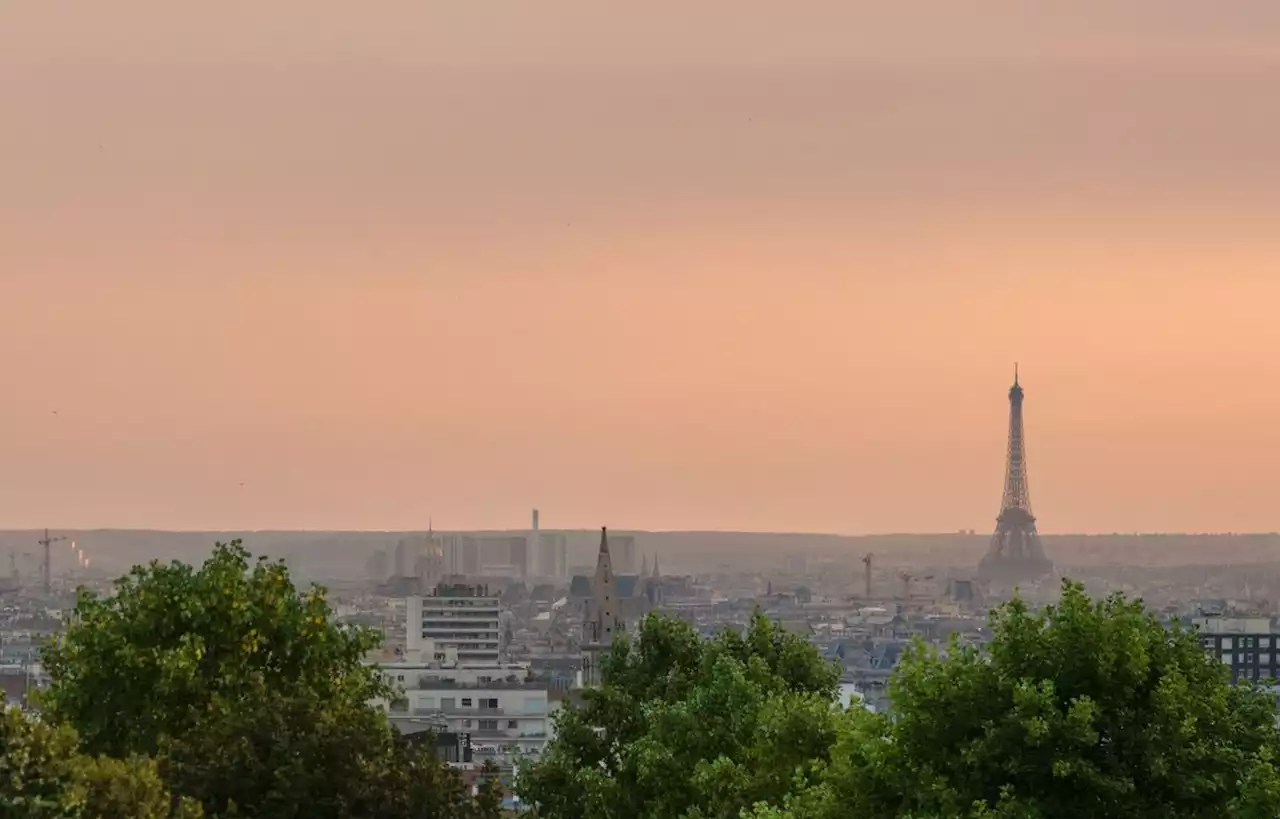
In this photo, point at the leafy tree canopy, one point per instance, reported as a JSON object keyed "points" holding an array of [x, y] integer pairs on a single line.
{"points": [[683, 726], [44, 776], [256, 703], [1083, 709], [176, 643]]}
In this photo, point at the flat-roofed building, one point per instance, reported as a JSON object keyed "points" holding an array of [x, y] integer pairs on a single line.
{"points": [[462, 617]]}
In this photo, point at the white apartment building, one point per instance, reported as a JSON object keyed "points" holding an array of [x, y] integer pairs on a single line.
{"points": [[455, 616], [504, 712]]}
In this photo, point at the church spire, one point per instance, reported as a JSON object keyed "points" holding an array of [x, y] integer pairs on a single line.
{"points": [[604, 620], [656, 573]]}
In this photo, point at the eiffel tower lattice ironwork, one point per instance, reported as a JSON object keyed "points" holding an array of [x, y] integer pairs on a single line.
{"points": [[1015, 553]]}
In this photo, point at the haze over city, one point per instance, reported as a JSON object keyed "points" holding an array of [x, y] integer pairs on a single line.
{"points": [[477, 409], [672, 266]]}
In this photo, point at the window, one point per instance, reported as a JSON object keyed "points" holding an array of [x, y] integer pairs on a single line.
{"points": [[513, 724], [466, 702], [1264, 642], [1226, 644], [488, 725], [399, 678], [490, 703], [1265, 658], [466, 723]]}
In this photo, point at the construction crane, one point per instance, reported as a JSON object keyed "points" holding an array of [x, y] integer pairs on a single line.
{"points": [[46, 569], [867, 579]]}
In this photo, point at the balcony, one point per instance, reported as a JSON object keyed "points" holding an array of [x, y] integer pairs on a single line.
{"points": [[426, 683], [471, 713]]}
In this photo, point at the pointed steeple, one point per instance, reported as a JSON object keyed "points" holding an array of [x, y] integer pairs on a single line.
{"points": [[656, 573], [644, 565], [604, 619]]}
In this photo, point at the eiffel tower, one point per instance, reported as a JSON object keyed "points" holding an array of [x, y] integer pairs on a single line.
{"points": [[1015, 553]]}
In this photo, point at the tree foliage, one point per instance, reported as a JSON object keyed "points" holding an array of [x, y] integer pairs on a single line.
{"points": [[44, 776], [1083, 709], [256, 702], [682, 726], [176, 644]]}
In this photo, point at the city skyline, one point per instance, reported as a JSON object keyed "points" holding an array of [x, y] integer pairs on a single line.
{"points": [[756, 269]]}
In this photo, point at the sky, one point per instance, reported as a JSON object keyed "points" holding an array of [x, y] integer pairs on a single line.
{"points": [[740, 265]]}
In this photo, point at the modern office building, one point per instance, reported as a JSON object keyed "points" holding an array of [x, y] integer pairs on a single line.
{"points": [[455, 617], [1247, 645]]}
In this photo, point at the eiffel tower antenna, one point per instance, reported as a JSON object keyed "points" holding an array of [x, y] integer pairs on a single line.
{"points": [[1015, 552]]}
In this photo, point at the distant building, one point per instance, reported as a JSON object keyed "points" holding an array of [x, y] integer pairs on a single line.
{"points": [[1246, 645], [462, 617], [377, 566], [494, 709], [622, 548], [551, 555], [430, 565]]}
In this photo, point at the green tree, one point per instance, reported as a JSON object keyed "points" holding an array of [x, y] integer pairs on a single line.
{"points": [[175, 643], [255, 700], [488, 801], [37, 768], [129, 789], [43, 776], [1083, 709], [683, 726]]}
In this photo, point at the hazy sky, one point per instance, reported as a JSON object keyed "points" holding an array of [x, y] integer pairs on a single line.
{"points": [[709, 263]]}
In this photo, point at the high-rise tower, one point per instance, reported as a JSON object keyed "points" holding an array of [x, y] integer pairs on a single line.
{"points": [[1015, 553]]}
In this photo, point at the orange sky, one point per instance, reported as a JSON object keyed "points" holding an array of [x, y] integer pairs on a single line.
{"points": [[718, 264]]}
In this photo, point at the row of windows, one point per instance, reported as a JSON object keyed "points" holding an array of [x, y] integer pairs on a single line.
{"points": [[1264, 658], [529, 705], [488, 645], [1247, 641], [490, 724], [471, 628]]}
